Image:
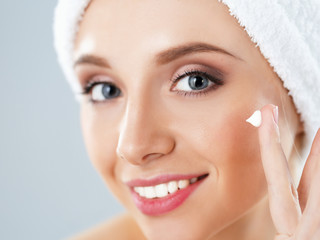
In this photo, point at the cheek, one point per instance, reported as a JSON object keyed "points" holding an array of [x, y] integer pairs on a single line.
{"points": [[100, 137], [240, 171], [100, 132], [221, 137]]}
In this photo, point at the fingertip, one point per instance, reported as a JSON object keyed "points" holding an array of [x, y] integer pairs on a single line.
{"points": [[270, 113], [269, 125], [256, 118]]}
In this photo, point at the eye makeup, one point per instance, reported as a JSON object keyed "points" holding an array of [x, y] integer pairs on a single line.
{"points": [[215, 80]]}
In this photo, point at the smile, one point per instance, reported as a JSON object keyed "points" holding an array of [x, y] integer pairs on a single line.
{"points": [[164, 193]]}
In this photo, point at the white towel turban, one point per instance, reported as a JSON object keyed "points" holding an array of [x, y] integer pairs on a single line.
{"points": [[286, 31]]}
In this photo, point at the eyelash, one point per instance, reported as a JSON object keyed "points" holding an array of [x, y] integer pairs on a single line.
{"points": [[217, 82]]}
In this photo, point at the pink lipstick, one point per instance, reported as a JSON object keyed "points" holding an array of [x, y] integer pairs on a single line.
{"points": [[164, 193]]}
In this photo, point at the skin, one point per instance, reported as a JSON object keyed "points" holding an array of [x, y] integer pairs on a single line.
{"points": [[152, 129]]}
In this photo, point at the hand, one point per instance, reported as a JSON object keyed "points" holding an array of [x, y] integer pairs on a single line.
{"points": [[295, 212]]}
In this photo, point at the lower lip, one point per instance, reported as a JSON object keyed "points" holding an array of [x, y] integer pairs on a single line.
{"points": [[158, 206]]}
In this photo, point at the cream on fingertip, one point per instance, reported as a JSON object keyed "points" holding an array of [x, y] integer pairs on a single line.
{"points": [[255, 119]]}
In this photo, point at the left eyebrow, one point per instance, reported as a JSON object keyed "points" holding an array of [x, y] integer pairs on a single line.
{"points": [[186, 49]]}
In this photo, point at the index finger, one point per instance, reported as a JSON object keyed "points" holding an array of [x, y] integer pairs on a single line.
{"points": [[284, 207]]}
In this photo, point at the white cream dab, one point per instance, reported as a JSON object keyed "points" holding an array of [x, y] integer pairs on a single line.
{"points": [[255, 119]]}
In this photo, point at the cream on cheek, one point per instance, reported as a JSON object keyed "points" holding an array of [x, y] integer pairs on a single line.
{"points": [[214, 134], [240, 171], [233, 148], [216, 130], [241, 174]]}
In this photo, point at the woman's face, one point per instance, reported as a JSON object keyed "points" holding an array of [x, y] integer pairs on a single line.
{"points": [[154, 124]]}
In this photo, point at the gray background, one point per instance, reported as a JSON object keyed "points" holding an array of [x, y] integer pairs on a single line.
{"points": [[48, 187]]}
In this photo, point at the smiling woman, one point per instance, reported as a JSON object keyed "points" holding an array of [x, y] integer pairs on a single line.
{"points": [[165, 88]]}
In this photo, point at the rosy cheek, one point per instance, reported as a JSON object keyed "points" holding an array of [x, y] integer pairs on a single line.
{"points": [[240, 169], [230, 145]]}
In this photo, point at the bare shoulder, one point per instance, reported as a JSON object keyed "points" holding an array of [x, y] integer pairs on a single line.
{"points": [[121, 227]]}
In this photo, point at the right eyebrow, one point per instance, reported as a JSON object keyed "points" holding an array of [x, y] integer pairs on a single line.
{"points": [[91, 59]]}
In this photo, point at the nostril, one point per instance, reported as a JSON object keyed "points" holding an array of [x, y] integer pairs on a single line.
{"points": [[151, 156], [148, 157]]}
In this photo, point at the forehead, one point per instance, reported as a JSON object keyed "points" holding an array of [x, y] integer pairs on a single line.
{"points": [[136, 28]]}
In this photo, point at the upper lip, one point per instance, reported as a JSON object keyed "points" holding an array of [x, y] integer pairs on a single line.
{"points": [[139, 182]]}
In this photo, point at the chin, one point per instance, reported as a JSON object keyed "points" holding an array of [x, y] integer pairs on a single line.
{"points": [[194, 224]]}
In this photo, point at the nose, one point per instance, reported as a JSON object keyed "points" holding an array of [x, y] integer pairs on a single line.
{"points": [[143, 135]]}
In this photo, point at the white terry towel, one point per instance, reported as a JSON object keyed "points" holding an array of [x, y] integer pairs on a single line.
{"points": [[286, 31]]}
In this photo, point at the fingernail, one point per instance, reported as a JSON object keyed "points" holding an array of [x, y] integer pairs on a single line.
{"points": [[276, 114], [255, 119], [276, 118]]}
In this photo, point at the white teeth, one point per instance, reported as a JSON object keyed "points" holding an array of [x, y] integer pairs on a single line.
{"points": [[193, 180], [183, 184], [137, 189], [161, 190], [150, 192], [140, 190], [172, 186]]}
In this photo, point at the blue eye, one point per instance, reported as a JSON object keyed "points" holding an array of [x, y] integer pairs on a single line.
{"points": [[101, 91], [195, 82], [198, 82]]}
